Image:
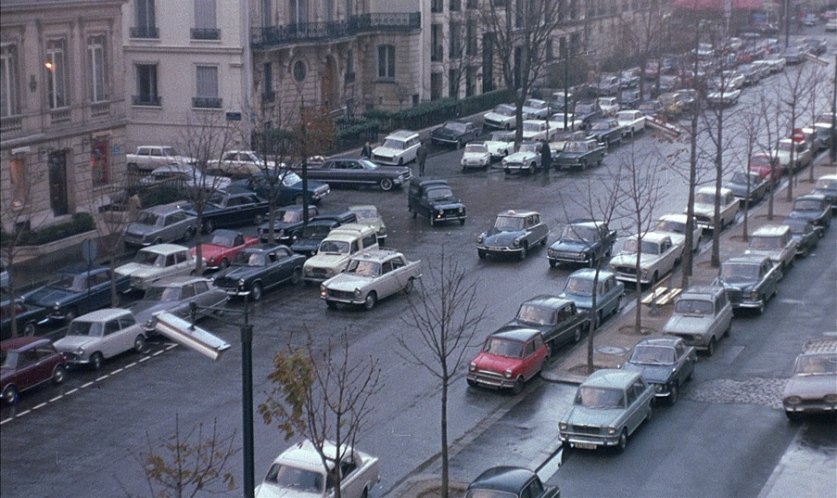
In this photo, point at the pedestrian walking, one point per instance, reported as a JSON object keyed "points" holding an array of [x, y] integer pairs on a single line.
{"points": [[546, 157], [421, 157], [366, 151], [134, 206]]}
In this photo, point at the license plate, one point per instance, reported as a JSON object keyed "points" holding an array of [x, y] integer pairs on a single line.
{"points": [[585, 446]]}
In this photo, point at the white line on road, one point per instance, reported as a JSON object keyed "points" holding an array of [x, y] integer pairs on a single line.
{"points": [[103, 377], [129, 365], [5, 420], [41, 405], [23, 413], [87, 385], [144, 358], [117, 371], [53, 400], [71, 391]]}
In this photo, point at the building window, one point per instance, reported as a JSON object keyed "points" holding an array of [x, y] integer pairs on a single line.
{"points": [[97, 69], [436, 43], [453, 83], [298, 10], [455, 5], [206, 27], [268, 95], [470, 81], [17, 174], [207, 88], [100, 162], [455, 40], [350, 66], [8, 81], [471, 37], [386, 62], [146, 20], [299, 71], [56, 68], [147, 85], [437, 6]]}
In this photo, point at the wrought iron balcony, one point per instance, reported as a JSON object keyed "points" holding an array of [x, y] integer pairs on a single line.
{"points": [[206, 34], [149, 100], [268, 96], [145, 32], [207, 102], [277, 36]]}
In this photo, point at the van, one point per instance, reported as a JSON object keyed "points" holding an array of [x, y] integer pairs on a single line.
{"points": [[336, 249], [774, 241], [399, 148]]}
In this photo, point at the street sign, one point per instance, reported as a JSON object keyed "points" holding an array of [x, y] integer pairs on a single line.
{"points": [[88, 251]]}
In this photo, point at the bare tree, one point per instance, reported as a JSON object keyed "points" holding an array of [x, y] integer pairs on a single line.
{"points": [[324, 396], [182, 466], [446, 315], [113, 218], [767, 109], [795, 95], [751, 126], [819, 82], [520, 32]]}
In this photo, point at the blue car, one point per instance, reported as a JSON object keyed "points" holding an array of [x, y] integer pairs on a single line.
{"points": [[76, 291], [289, 191], [579, 288]]}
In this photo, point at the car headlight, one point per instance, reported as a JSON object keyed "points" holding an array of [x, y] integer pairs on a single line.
{"points": [[472, 367], [241, 282], [562, 426], [80, 350], [357, 292], [644, 272], [323, 291], [755, 295], [793, 400], [461, 209], [211, 260], [830, 398], [56, 306], [612, 430], [516, 243], [481, 238], [508, 373], [149, 323]]}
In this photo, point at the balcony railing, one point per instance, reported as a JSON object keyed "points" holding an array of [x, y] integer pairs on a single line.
{"points": [[149, 100], [206, 34], [207, 102], [11, 123], [60, 116], [99, 109], [145, 32], [275, 36]]}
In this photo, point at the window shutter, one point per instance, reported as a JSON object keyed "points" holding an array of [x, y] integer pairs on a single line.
{"points": [[207, 81], [205, 14]]}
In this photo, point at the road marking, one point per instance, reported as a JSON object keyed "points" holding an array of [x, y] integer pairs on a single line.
{"points": [[144, 358], [87, 385], [36, 407], [158, 353], [117, 371], [551, 466], [103, 377], [23, 413], [53, 400], [129, 365], [5, 420], [71, 391]]}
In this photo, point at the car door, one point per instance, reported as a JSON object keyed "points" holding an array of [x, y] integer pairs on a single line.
{"points": [[274, 270], [636, 405], [208, 296], [28, 372], [183, 263], [99, 291], [387, 283], [176, 225], [111, 342], [532, 360]]}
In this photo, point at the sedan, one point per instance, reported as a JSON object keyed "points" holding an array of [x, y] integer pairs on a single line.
{"points": [[256, 269], [767, 166], [455, 133], [27, 362], [510, 482], [814, 208], [288, 225], [285, 186], [750, 281], [76, 290], [813, 387], [749, 186], [804, 234], [609, 292], [514, 232], [370, 276], [175, 295], [26, 317], [665, 362], [350, 172], [222, 248], [158, 224]]}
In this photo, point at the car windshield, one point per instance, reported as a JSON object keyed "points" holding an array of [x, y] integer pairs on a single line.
{"points": [[535, 104], [739, 272], [162, 293], [365, 213], [693, 307], [652, 355], [807, 205], [438, 194], [290, 216], [535, 315], [816, 364], [70, 282], [797, 225], [223, 239], [766, 243], [785, 146], [599, 397], [528, 147], [742, 178], [250, 258], [670, 226], [579, 233], [317, 231], [647, 246], [366, 164], [334, 247], [504, 110], [476, 148], [499, 346], [148, 258], [760, 160], [80, 328], [364, 268], [508, 223], [301, 480], [488, 493], [530, 126], [580, 286], [704, 198], [147, 218], [456, 126], [290, 179], [392, 143], [216, 200], [575, 147], [600, 125]]}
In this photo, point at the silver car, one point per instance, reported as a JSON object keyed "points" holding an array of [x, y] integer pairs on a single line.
{"points": [[702, 315], [158, 224], [813, 387], [175, 295], [99, 335]]}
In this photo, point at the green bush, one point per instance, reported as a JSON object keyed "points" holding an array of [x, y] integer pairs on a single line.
{"points": [[79, 223]]}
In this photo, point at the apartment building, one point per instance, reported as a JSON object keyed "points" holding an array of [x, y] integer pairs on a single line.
{"points": [[62, 108], [187, 62]]}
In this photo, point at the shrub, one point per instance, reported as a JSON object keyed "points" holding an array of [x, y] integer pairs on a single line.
{"points": [[79, 223]]}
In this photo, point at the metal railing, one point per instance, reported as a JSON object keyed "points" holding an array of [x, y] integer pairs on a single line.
{"points": [[206, 34], [149, 100], [145, 32], [207, 102], [275, 36]]}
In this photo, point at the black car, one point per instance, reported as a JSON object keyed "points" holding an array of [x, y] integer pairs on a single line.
{"points": [[665, 362], [510, 482], [351, 172], [607, 132], [288, 225], [76, 291], [586, 112], [739, 184], [27, 317], [749, 281], [454, 133], [257, 269], [815, 45], [827, 187], [287, 187], [317, 229], [804, 233], [814, 208], [434, 200], [230, 207], [557, 319]]}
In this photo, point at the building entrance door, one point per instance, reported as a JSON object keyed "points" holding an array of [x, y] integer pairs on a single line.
{"points": [[57, 164]]}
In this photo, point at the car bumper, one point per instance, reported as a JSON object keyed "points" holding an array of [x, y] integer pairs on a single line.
{"points": [[75, 359], [811, 406], [494, 381], [589, 442], [445, 141], [499, 250], [698, 341], [569, 258]]}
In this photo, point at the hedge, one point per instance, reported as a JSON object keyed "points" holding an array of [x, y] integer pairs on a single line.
{"points": [[79, 223]]}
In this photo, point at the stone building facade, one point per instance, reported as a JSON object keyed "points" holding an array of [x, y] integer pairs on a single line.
{"points": [[63, 121]]}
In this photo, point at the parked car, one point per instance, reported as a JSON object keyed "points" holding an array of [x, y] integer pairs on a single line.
{"points": [[510, 482], [607, 132], [665, 362], [775, 242], [158, 224], [398, 148], [802, 154], [804, 234], [99, 335], [536, 108], [175, 295], [28, 362], [286, 189], [223, 246], [368, 215], [608, 105], [747, 185], [813, 387], [815, 208], [476, 155], [260, 268], [502, 117], [527, 158], [750, 281], [288, 225], [508, 359], [369, 277], [631, 121], [27, 317], [702, 316], [454, 133], [767, 166], [350, 172], [676, 226], [657, 258], [558, 319], [723, 98], [609, 292], [705, 208], [538, 129], [77, 289], [583, 242], [300, 471], [318, 228], [580, 154], [566, 121], [514, 232], [239, 164], [607, 84], [231, 207], [826, 186], [500, 144], [336, 249], [434, 200], [186, 177], [586, 112], [155, 262], [609, 406]]}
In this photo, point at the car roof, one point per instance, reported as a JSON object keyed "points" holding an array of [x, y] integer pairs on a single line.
{"points": [[378, 255], [769, 231], [333, 215], [610, 377], [304, 455], [677, 218], [702, 291], [811, 196], [178, 280], [234, 189], [165, 248], [503, 478], [402, 134], [353, 228], [655, 237], [423, 181], [828, 177], [522, 213], [103, 315], [590, 273], [666, 340], [709, 189], [81, 269], [362, 207], [748, 259], [514, 333], [548, 301], [17, 343], [264, 248], [164, 208]]}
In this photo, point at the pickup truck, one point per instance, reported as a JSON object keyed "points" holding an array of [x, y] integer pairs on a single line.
{"points": [[582, 242], [149, 157], [580, 154]]}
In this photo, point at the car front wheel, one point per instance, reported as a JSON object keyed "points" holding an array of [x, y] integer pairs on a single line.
{"points": [[139, 344], [96, 361], [59, 375], [370, 301], [386, 184], [256, 292], [623, 440], [11, 395]]}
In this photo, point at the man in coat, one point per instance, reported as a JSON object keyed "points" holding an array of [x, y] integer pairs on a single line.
{"points": [[546, 157], [421, 157]]}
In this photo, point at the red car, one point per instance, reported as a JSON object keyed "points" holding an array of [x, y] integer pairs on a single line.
{"points": [[222, 248], [767, 166], [508, 359], [26, 362]]}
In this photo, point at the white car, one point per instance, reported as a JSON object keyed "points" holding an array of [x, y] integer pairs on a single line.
{"points": [[705, 207], [723, 98], [527, 158], [502, 117], [399, 148], [802, 154], [536, 108], [608, 105], [572, 122], [674, 225], [476, 155], [155, 262], [99, 335], [299, 472], [658, 257], [369, 277], [631, 121], [500, 144], [336, 249], [240, 164], [368, 215], [536, 129]]}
